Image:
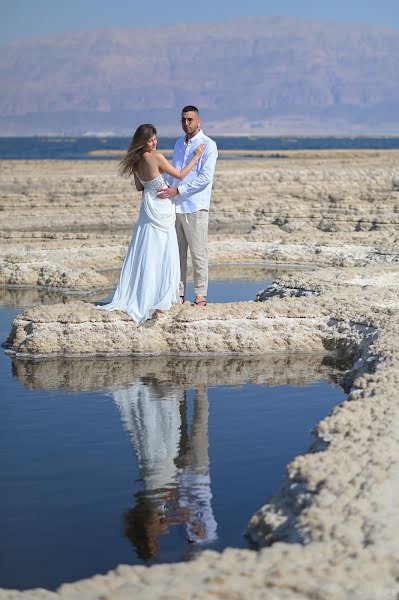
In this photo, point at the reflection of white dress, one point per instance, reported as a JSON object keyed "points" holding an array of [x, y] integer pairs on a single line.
{"points": [[150, 274], [154, 428]]}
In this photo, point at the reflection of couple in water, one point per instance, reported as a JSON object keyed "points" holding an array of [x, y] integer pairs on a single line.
{"points": [[173, 463]]}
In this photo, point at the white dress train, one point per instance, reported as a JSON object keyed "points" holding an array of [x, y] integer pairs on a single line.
{"points": [[150, 274]]}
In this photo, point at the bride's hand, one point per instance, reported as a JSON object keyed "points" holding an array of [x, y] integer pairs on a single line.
{"points": [[199, 150]]}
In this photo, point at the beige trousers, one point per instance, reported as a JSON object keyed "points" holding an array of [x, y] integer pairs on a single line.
{"points": [[193, 451], [192, 232]]}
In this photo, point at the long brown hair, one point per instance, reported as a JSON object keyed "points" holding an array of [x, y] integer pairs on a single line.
{"points": [[141, 136]]}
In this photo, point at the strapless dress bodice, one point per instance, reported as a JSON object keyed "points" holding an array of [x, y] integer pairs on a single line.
{"points": [[153, 184], [161, 213]]}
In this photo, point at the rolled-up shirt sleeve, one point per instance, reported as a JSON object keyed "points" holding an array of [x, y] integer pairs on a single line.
{"points": [[204, 177]]}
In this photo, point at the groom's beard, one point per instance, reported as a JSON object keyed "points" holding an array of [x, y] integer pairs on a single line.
{"points": [[190, 135]]}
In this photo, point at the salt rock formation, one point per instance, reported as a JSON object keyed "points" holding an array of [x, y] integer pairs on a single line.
{"points": [[335, 208], [50, 275], [304, 311]]}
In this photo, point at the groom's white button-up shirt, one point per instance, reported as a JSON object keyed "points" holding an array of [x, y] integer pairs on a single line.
{"points": [[195, 189]]}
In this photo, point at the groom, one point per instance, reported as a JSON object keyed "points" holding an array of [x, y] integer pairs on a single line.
{"points": [[193, 198]]}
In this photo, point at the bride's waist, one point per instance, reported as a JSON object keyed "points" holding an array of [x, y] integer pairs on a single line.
{"points": [[156, 204]]}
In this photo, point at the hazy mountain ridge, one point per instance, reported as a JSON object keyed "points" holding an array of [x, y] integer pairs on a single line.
{"points": [[254, 75]]}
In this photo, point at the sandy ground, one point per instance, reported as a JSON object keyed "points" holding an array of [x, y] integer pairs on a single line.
{"points": [[330, 532]]}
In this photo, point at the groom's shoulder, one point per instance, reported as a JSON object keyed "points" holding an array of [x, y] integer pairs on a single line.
{"points": [[210, 143]]}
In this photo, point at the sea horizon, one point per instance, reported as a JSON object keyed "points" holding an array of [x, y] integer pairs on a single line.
{"points": [[66, 147]]}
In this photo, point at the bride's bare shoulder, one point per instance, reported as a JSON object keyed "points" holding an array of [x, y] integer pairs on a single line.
{"points": [[159, 157], [148, 157]]}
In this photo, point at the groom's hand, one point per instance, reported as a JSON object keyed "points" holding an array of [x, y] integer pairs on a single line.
{"points": [[169, 192]]}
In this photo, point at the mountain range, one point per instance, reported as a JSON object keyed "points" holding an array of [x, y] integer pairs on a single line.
{"points": [[249, 76]]}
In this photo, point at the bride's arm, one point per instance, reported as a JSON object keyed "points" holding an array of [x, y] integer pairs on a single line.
{"points": [[166, 167], [138, 184]]}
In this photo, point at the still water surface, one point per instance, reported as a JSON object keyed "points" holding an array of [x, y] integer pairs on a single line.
{"points": [[143, 460]]}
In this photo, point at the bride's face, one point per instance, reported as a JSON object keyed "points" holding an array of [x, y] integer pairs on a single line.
{"points": [[151, 144]]}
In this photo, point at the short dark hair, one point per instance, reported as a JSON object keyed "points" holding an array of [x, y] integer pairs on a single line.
{"points": [[190, 108]]}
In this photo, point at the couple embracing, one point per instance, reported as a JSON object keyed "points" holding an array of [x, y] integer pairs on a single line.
{"points": [[173, 217]]}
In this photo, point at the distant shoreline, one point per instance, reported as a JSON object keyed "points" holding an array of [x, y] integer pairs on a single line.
{"points": [[300, 153]]}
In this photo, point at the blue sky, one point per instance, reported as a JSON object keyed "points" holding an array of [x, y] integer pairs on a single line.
{"points": [[30, 18]]}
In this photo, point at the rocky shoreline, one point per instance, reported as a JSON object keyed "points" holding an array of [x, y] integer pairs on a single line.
{"points": [[330, 531]]}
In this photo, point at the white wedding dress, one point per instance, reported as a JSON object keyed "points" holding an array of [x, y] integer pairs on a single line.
{"points": [[150, 274], [153, 423]]}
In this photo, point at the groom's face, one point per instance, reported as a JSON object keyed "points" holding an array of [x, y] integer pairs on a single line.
{"points": [[190, 122]]}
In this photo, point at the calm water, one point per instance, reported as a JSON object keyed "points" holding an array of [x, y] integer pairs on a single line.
{"points": [[224, 290], [78, 148], [143, 460]]}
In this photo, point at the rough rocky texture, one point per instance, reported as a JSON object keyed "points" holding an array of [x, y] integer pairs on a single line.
{"points": [[79, 328], [67, 224], [330, 532]]}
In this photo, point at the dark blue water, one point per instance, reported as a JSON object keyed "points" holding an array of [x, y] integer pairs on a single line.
{"points": [[144, 460], [237, 290], [64, 148]]}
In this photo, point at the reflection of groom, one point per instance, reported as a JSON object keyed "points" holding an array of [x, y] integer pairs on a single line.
{"points": [[193, 480], [193, 198]]}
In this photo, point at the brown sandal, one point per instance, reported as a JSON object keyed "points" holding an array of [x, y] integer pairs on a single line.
{"points": [[200, 303]]}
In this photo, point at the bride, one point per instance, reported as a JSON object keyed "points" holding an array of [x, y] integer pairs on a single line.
{"points": [[150, 274]]}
